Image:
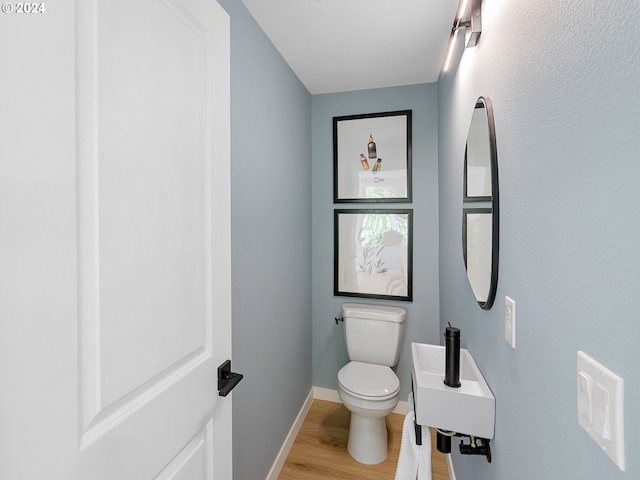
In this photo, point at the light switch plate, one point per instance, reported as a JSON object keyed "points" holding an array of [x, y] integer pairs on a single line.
{"points": [[510, 321], [601, 407]]}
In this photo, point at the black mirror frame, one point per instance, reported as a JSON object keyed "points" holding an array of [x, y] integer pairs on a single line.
{"points": [[494, 200]]}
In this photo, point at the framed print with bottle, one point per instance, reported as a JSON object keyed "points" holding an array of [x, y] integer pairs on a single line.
{"points": [[372, 158], [373, 253]]}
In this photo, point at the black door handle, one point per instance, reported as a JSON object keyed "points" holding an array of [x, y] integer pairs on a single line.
{"points": [[227, 380]]}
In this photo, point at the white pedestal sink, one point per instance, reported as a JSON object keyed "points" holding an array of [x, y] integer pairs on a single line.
{"points": [[468, 410]]}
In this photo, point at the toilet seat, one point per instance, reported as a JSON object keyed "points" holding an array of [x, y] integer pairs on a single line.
{"points": [[368, 381]]}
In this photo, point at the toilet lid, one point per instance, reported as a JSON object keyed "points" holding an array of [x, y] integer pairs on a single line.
{"points": [[367, 380]]}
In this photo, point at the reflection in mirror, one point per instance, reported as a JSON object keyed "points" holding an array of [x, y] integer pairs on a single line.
{"points": [[373, 253], [480, 223], [477, 257], [478, 153]]}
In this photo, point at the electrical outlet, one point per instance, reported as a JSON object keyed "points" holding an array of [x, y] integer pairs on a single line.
{"points": [[510, 321]]}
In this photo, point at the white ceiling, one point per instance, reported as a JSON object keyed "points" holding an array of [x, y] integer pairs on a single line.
{"points": [[344, 45]]}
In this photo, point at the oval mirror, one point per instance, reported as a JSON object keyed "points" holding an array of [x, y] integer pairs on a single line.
{"points": [[480, 218]]}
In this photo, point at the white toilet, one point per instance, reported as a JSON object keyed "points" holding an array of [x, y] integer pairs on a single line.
{"points": [[367, 386]]}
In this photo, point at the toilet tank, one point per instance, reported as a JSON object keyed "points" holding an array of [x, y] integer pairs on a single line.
{"points": [[373, 333]]}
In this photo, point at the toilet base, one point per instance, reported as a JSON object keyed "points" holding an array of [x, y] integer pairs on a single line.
{"points": [[367, 439]]}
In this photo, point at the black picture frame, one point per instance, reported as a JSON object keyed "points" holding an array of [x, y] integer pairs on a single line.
{"points": [[372, 158], [373, 253]]}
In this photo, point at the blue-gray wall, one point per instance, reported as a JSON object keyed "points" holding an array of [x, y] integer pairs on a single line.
{"points": [[329, 351], [271, 245], [563, 78]]}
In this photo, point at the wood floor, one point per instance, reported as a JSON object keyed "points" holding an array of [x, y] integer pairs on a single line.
{"points": [[320, 449]]}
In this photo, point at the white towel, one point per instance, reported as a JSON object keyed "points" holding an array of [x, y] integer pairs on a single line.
{"points": [[424, 455], [413, 458]]}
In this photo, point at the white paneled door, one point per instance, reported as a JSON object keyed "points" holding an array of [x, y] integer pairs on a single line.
{"points": [[115, 301]]}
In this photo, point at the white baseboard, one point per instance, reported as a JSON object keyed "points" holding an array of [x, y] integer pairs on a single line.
{"points": [[327, 394], [401, 408], [291, 437], [452, 474]]}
